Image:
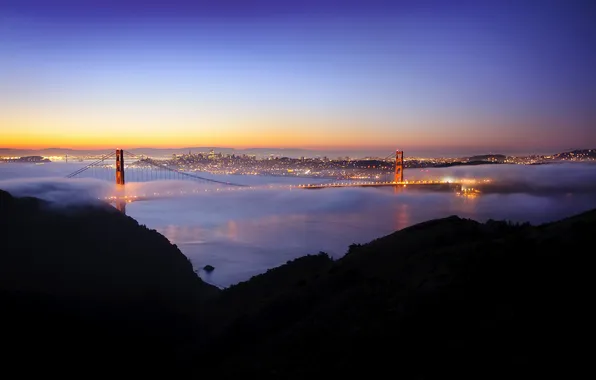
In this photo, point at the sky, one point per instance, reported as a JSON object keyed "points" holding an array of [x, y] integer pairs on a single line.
{"points": [[458, 75]]}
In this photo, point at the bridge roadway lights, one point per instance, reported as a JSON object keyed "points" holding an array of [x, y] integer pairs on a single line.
{"points": [[451, 184]]}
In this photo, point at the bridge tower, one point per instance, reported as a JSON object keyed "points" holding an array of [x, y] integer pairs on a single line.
{"points": [[399, 166], [120, 204], [119, 167]]}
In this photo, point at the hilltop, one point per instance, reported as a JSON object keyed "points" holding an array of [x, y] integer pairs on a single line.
{"points": [[446, 297]]}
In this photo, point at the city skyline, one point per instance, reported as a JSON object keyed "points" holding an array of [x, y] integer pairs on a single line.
{"points": [[421, 76]]}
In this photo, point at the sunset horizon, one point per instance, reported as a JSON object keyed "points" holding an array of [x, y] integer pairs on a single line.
{"points": [[430, 151]]}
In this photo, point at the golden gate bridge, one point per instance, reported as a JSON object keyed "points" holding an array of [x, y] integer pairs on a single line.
{"points": [[145, 169]]}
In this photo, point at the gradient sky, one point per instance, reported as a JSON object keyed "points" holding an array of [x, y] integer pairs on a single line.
{"points": [[500, 75]]}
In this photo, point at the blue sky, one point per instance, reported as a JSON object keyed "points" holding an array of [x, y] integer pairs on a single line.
{"points": [[500, 75]]}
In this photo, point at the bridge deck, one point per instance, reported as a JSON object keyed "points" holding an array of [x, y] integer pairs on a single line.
{"points": [[435, 185]]}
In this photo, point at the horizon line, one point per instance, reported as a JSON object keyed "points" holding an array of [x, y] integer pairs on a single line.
{"points": [[311, 149]]}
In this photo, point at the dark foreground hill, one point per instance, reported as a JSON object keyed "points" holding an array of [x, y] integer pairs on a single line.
{"points": [[86, 284], [449, 297]]}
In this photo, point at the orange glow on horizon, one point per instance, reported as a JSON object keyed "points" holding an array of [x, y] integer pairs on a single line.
{"points": [[177, 142], [30, 131], [256, 134]]}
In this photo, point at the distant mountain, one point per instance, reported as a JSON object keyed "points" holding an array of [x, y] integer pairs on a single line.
{"points": [[577, 154], [263, 152], [488, 157], [8, 152], [257, 151], [165, 152], [465, 163]]}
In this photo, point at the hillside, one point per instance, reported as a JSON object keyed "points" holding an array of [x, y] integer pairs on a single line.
{"points": [[442, 298], [466, 163], [88, 277], [445, 296]]}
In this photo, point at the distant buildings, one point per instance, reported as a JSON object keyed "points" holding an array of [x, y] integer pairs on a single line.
{"points": [[342, 167]]}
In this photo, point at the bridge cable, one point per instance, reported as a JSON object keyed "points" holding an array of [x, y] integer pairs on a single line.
{"points": [[93, 164], [180, 173]]}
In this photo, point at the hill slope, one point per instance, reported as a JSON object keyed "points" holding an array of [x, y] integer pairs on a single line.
{"points": [[91, 278], [445, 296]]}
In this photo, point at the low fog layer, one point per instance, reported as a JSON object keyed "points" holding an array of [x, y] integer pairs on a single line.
{"points": [[58, 190], [531, 179], [243, 232], [49, 182]]}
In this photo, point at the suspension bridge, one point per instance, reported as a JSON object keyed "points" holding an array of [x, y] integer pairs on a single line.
{"points": [[112, 166]]}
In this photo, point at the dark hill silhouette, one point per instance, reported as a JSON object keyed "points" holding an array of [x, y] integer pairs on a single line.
{"points": [[448, 297], [90, 284], [445, 297], [91, 251]]}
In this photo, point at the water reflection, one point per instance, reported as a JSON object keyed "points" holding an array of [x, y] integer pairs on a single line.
{"points": [[402, 217], [232, 230]]}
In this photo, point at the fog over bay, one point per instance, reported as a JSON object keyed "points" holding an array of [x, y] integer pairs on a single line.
{"points": [[244, 232]]}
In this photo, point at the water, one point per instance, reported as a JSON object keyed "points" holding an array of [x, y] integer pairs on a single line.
{"points": [[245, 232]]}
